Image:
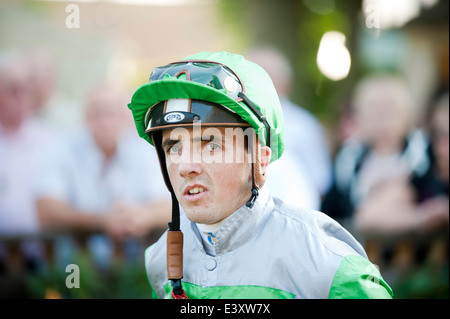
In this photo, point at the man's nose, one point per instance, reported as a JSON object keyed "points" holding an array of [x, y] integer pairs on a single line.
{"points": [[190, 164]]}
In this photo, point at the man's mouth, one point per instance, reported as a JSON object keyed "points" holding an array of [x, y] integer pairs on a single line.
{"points": [[195, 192]]}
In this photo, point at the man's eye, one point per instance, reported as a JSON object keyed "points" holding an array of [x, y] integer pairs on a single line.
{"points": [[174, 149], [213, 146]]}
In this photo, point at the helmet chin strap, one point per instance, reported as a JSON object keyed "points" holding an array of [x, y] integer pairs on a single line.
{"points": [[174, 244]]}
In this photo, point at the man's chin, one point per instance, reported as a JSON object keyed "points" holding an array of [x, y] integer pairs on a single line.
{"points": [[200, 216]]}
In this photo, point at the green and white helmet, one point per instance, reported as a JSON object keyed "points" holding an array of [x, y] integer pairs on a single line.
{"points": [[240, 86]]}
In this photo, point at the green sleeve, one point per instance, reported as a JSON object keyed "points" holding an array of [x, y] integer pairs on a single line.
{"points": [[357, 278]]}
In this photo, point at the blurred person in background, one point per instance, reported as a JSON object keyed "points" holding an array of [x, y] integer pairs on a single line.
{"points": [[385, 146], [98, 179], [435, 181], [306, 144], [372, 194], [23, 142], [415, 212], [382, 212], [49, 103]]}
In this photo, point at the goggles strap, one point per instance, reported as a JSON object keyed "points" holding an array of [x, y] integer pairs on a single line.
{"points": [[258, 114], [262, 118]]}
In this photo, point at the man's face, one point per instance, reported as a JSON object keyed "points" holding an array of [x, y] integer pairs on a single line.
{"points": [[15, 97], [105, 117], [383, 121], [210, 171]]}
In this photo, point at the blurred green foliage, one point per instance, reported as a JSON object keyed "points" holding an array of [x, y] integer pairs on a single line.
{"points": [[426, 282], [123, 279]]}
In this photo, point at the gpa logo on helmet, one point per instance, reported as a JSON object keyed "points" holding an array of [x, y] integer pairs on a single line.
{"points": [[174, 117]]}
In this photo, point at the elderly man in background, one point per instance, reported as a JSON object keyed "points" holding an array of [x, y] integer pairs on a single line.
{"points": [[23, 141], [99, 179]]}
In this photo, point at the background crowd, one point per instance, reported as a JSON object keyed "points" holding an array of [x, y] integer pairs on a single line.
{"points": [[367, 145]]}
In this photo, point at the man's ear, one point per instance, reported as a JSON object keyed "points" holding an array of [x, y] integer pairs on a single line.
{"points": [[265, 155]]}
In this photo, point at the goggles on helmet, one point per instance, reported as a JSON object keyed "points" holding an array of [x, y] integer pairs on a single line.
{"points": [[210, 73]]}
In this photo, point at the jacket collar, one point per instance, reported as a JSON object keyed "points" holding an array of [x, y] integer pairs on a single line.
{"points": [[243, 224]]}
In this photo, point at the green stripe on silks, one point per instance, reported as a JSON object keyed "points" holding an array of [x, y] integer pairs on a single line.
{"points": [[357, 278], [230, 292]]}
